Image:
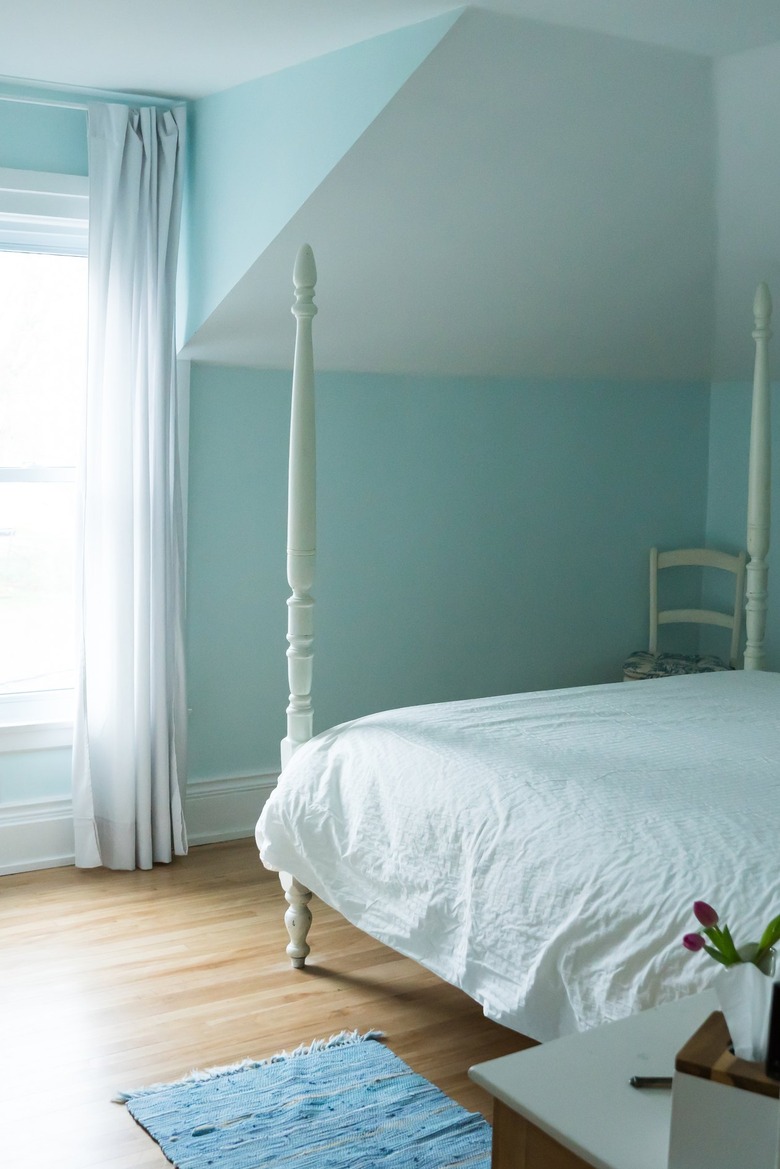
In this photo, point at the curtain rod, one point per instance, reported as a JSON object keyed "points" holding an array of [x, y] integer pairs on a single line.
{"points": [[44, 101], [89, 98]]}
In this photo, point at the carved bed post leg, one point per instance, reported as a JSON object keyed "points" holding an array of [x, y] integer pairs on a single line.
{"points": [[297, 919]]}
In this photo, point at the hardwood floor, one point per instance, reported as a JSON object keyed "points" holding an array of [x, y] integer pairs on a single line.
{"points": [[110, 981]]}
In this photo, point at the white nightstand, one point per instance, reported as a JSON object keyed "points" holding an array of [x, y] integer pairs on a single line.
{"points": [[567, 1104]]}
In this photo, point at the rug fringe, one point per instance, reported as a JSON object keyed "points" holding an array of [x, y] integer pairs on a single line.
{"points": [[341, 1039]]}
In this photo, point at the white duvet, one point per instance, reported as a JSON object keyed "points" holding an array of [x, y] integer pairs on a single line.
{"points": [[542, 851]]}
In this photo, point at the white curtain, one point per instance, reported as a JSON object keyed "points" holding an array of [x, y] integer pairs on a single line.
{"points": [[130, 727]]}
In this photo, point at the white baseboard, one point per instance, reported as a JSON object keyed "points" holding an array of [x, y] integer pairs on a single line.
{"points": [[226, 809], [38, 834]]}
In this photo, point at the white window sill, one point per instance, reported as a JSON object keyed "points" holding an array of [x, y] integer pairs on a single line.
{"points": [[36, 721], [35, 736]]}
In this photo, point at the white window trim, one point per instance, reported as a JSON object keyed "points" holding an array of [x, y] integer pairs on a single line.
{"points": [[37, 475], [43, 212], [35, 737], [40, 212], [33, 721]]}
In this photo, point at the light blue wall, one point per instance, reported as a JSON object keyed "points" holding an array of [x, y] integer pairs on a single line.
{"points": [[515, 522], [43, 138], [258, 151], [474, 537], [236, 577], [34, 775]]}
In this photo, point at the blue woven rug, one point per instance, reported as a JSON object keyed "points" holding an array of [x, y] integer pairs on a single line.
{"points": [[344, 1103]]}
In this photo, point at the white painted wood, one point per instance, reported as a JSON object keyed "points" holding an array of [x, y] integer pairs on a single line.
{"points": [[301, 512], [36, 834], [576, 1088], [721, 1127], [759, 487], [35, 736], [297, 919], [44, 210], [703, 557], [698, 558], [301, 549], [653, 640], [226, 807]]}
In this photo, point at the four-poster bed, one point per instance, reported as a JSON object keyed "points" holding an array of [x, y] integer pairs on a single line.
{"points": [[538, 850]]}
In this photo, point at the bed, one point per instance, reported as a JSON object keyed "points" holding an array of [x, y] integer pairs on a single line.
{"points": [[541, 851]]}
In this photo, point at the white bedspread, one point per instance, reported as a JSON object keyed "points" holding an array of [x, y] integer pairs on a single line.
{"points": [[543, 851]]}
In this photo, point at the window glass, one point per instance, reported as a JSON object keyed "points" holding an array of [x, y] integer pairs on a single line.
{"points": [[43, 300]]}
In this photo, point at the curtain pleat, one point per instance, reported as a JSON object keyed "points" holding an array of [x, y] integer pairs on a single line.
{"points": [[129, 751]]}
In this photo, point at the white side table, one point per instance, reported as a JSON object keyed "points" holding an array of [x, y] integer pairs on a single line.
{"points": [[567, 1104]]}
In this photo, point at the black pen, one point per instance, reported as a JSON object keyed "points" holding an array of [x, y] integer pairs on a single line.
{"points": [[650, 1081]]}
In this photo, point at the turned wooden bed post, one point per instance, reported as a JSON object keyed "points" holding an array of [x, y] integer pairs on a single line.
{"points": [[758, 488], [301, 544], [301, 529]]}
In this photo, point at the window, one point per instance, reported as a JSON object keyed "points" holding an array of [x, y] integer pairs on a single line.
{"points": [[43, 330]]}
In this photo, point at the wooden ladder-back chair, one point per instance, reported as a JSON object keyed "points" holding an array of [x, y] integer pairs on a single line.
{"points": [[651, 663]]}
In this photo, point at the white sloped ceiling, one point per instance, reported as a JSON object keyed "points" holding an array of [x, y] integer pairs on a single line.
{"points": [[534, 201]]}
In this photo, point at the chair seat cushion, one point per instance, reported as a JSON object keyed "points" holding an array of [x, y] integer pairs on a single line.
{"points": [[644, 664]]}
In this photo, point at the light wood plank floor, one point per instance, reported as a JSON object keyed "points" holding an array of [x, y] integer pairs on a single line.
{"points": [[109, 981]]}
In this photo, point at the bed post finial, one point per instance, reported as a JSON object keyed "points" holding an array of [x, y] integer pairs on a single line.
{"points": [[304, 272], [301, 516], [758, 487]]}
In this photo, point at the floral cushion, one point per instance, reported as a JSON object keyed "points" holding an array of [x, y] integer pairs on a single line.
{"points": [[644, 664]]}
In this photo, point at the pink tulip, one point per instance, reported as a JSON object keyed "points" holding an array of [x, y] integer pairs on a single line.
{"points": [[693, 942], [705, 914]]}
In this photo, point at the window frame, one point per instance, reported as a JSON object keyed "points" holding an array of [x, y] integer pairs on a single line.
{"points": [[40, 212]]}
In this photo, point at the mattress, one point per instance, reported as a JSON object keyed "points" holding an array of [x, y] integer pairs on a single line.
{"points": [[542, 851]]}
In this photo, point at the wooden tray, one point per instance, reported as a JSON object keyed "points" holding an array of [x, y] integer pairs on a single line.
{"points": [[708, 1054]]}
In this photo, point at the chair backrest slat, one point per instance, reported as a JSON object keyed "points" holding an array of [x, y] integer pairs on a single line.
{"points": [[698, 558]]}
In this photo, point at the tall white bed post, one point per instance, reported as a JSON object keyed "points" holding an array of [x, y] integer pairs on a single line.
{"points": [[759, 487], [301, 546], [301, 541]]}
